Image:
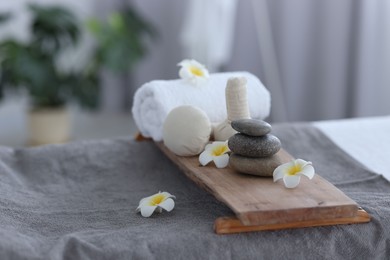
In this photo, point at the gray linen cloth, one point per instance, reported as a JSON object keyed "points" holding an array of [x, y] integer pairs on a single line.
{"points": [[77, 201]]}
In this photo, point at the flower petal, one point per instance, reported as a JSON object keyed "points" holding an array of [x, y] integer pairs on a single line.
{"points": [[193, 72], [145, 201], [278, 173], [218, 143], [197, 64], [308, 171], [168, 195], [147, 211], [291, 181], [184, 73], [287, 166], [205, 157], [167, 204], [282, 170], [208, 147], [221, 161], [302, 163]]}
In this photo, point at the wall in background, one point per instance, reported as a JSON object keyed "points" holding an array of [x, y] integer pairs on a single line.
{"points": [[168, 16], [333, 56]]}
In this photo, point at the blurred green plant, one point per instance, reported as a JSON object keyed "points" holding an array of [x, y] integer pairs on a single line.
{"points": [[4, 17], [121, 39], [34, 65]]}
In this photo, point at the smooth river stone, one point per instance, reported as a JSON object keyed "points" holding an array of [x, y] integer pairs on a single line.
{"points": [[256, 166], [251, 127], [251, 146]]}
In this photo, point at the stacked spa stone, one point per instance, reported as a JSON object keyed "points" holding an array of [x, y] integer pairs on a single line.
{"points": [[254, 148]]}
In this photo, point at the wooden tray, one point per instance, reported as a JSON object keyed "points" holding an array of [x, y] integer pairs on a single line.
{"points": [[259, 204]]}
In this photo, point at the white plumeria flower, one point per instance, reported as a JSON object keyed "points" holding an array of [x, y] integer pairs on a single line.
{"points": [[156, 202], [291, 172], [216, 152], [193, 71]]}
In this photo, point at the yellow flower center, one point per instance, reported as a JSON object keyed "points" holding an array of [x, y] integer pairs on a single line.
{"points": [[196, 71], [294, 170], [219, 150], [157, 199]]}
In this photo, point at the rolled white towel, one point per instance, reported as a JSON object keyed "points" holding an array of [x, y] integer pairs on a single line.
{"points": [[154, 100]]}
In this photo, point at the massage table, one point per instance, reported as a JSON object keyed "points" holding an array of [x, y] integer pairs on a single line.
{"points": [[78, 200]]}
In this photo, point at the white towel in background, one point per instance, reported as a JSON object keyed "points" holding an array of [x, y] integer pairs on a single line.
{"points": [[154, 100], [207, 33]]}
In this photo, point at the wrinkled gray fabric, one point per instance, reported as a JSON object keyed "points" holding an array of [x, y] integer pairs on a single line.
{"points": [[77, 201]]}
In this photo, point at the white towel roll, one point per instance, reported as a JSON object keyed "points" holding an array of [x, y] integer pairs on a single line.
{"points": [[154, 100]]}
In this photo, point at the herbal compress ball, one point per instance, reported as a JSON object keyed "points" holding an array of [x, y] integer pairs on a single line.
{"points": [[186, 130]]}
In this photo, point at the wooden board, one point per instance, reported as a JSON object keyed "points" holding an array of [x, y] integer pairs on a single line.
{"points": [[258, 201], [230, 225]]}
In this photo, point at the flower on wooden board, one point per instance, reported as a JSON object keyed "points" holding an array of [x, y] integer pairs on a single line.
{"points": [[157, 202], [291, 172], [216, 152], [193, 72]]}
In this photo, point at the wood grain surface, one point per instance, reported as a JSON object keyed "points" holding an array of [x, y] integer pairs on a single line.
{"points": [[231, 225], [259, 201]]}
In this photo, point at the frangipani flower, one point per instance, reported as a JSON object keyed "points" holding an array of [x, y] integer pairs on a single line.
{"points": [[216, 152], [156, 202], [291, 172], [193, 71]]}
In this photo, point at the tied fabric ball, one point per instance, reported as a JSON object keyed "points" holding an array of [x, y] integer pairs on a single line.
{"points": [[186, 130]]}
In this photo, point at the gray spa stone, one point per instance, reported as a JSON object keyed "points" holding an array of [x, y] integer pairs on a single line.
{"points": [[251, 127], [250, 146], [255, 166]]}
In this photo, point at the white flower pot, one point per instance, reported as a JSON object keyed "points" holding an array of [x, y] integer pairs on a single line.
{"points": [[49, 125]]}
